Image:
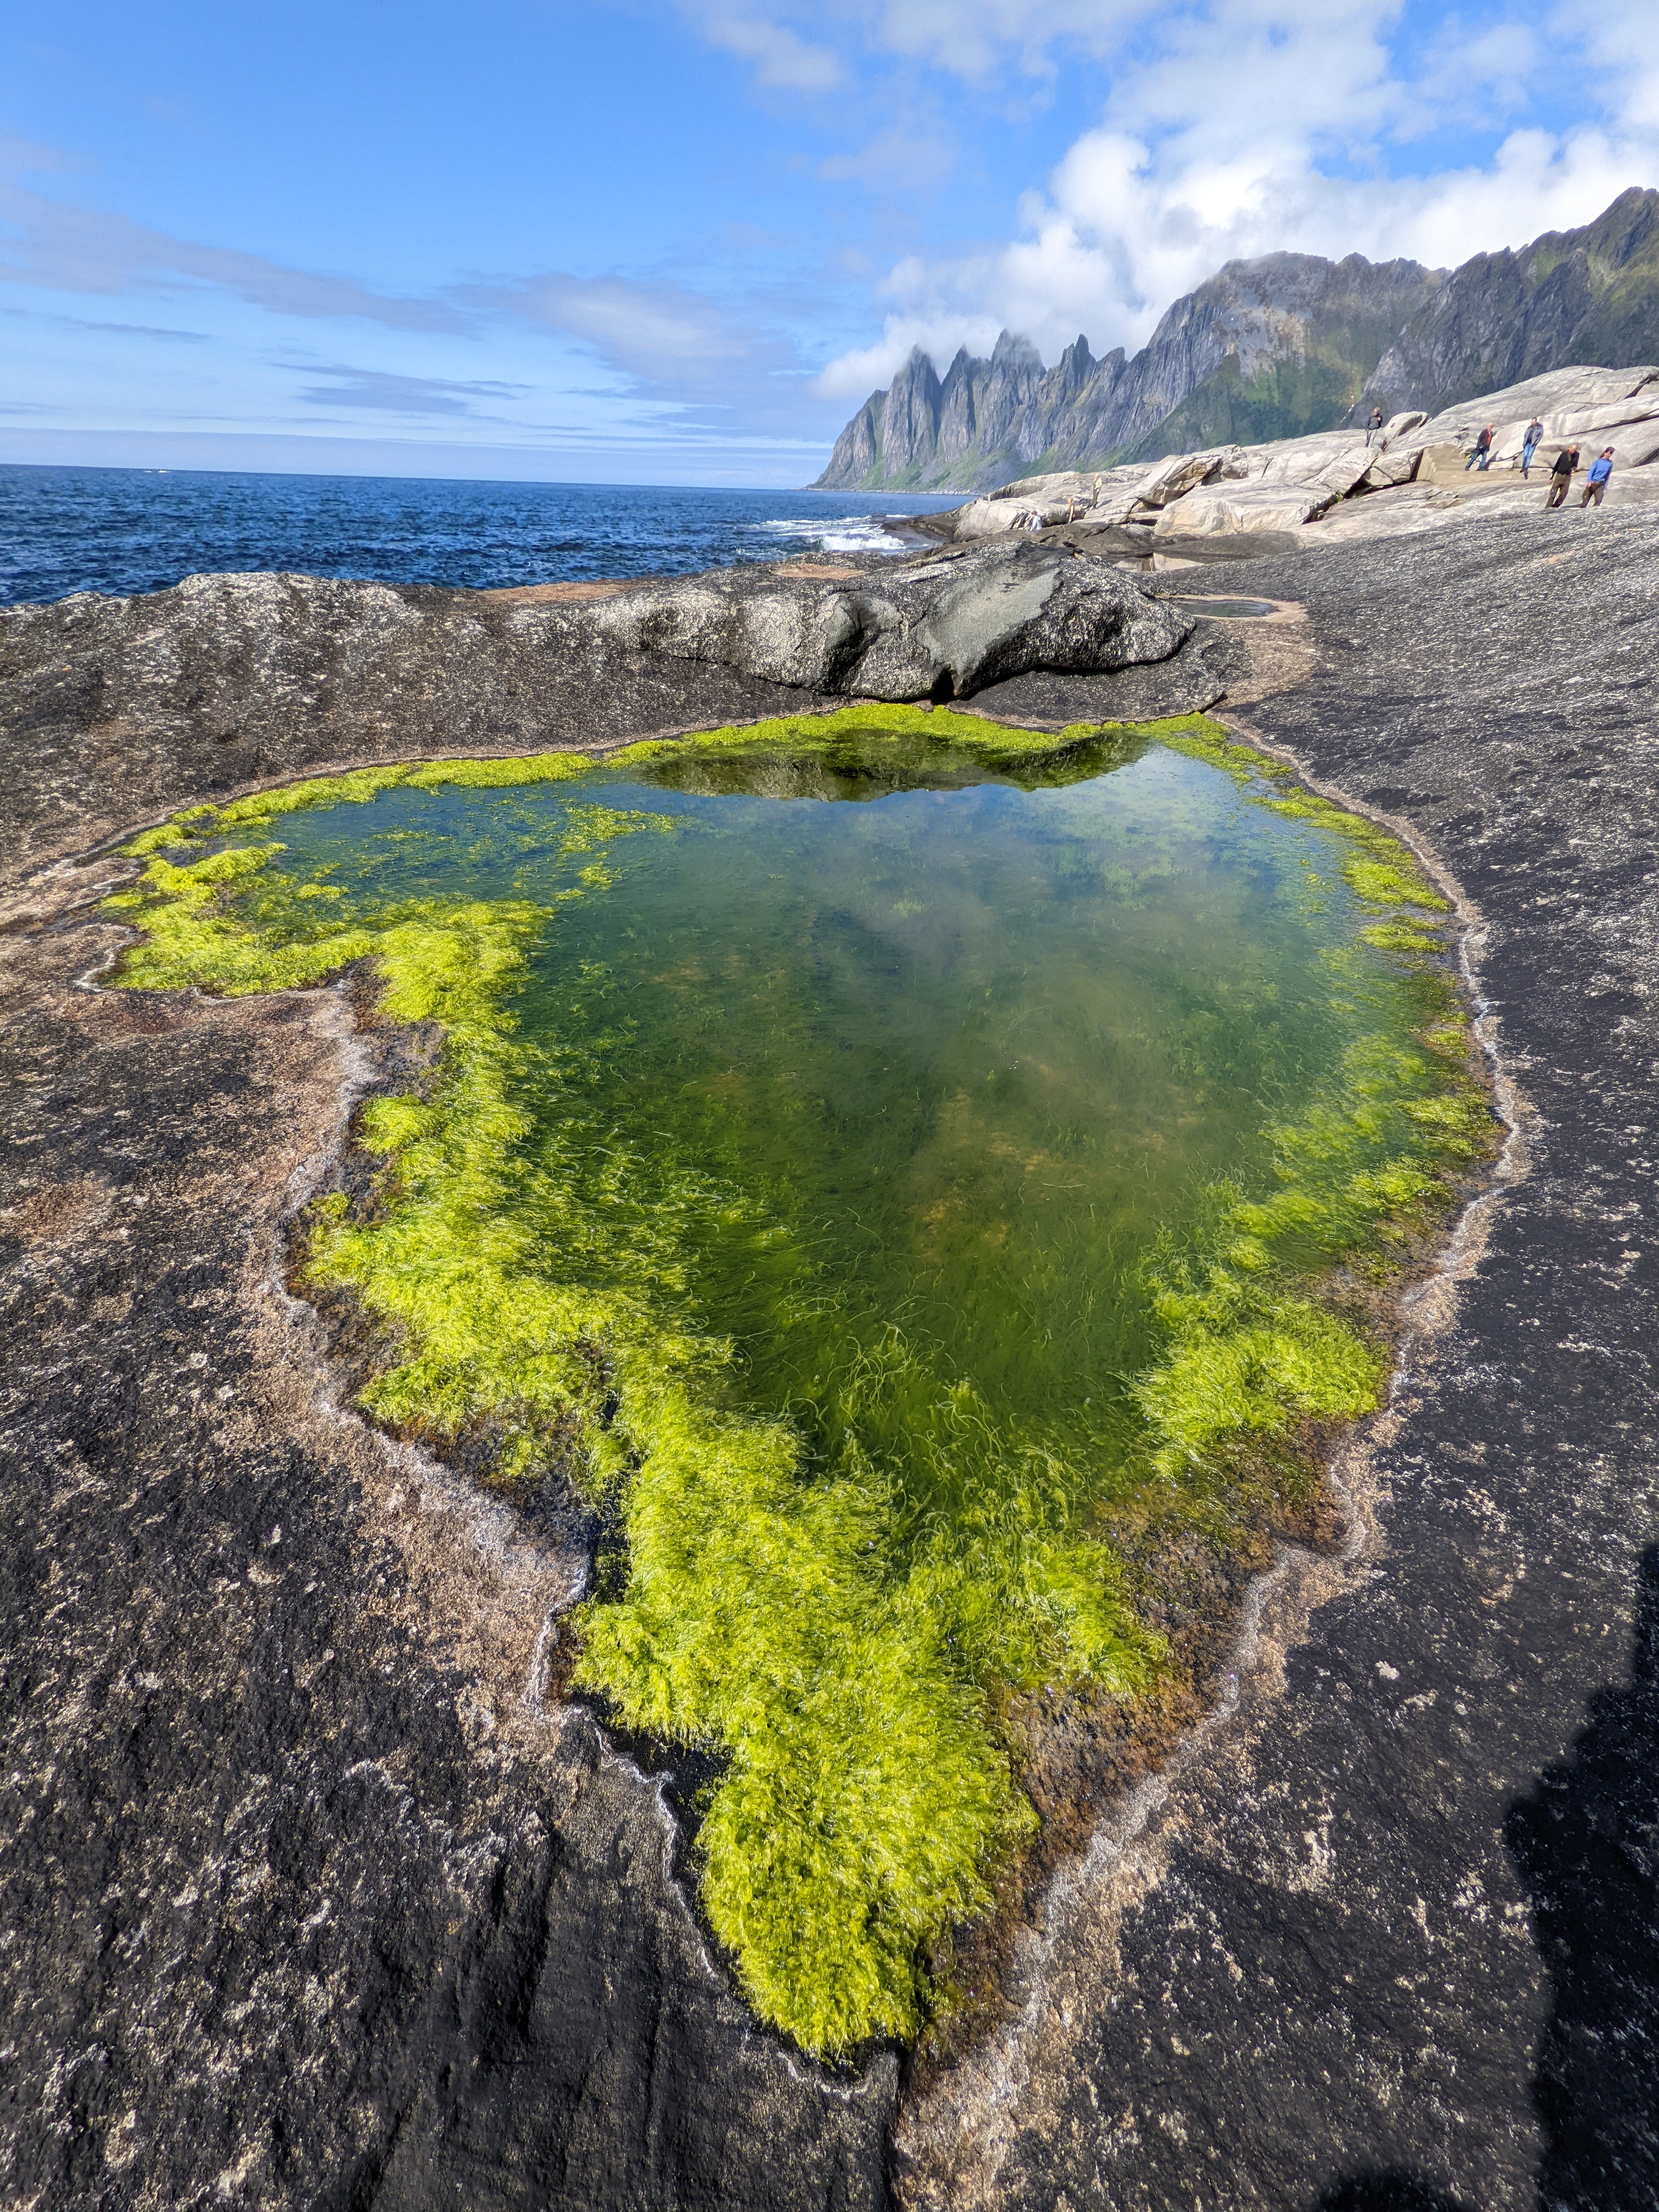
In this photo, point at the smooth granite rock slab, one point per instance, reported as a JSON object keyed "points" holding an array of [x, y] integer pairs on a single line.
{"points": [[114, 708], [1391, 1937]]}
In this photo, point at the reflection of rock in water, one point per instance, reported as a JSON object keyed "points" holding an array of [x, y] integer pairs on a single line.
{"points": [[1586, 1844]]}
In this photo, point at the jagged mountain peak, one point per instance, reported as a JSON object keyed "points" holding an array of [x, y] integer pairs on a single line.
{"points": [[1271, 347]]}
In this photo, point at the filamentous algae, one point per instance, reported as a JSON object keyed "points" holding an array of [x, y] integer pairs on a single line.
{"points": [[875, 1157]]}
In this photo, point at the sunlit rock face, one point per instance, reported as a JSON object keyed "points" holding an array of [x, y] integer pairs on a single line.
{"points": [[947, 630]]}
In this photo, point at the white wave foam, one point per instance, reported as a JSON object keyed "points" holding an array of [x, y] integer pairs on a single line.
{"points": [[840, 533]]}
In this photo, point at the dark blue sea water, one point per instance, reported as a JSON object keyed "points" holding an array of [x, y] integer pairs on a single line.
{"points": [[140, 530]]}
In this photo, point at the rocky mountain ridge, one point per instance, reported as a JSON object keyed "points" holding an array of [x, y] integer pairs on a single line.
{"points": [[1570, 298], [1281, 347]]}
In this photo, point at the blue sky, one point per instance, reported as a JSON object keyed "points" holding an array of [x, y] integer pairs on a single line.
{"points": [[652, 242]]}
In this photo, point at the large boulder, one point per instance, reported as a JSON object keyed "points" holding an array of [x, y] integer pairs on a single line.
{"points": [[1173, 479], [1397, 467], [943, 630], [1212, 509], [1632, 488], [1054, 498], [1563, 396], [1344, 472], [1298, 460]]}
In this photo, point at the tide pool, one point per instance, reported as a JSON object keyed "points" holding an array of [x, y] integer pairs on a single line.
{"points": [[879, 1159]]}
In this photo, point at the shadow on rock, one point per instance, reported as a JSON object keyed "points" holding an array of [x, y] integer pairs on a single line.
{"points": [[1388, 2192], [1586, 1844]]}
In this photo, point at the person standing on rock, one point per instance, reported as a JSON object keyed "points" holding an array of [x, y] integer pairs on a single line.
{"points": [[1600, 472], [1482, 452], [1374, 425], [1561, 477], [1529, 444]]}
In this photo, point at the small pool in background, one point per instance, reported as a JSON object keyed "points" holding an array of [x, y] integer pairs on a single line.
{"points": [[888, 1163], [1232, 610]]}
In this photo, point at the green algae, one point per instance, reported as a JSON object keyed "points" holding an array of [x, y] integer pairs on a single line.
{"points": [[840, 1550]]}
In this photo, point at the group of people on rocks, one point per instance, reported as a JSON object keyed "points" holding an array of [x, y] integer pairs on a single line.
{"points": [[1561, 475]]}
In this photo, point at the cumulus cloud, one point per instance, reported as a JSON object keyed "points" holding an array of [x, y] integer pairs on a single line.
{"points": [[1263, 125]]}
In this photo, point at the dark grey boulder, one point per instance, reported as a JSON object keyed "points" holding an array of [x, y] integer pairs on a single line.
{"points": [[945, 629]]}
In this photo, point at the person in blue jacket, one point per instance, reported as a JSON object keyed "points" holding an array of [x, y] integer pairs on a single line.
{"points": [[1529, 446], [1600, 470]]}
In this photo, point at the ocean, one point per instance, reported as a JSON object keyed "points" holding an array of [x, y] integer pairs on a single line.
{"points": [[118, 531]]}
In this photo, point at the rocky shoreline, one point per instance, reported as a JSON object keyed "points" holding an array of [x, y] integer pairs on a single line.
{"points": [[1413, 473], [317, 1898]]}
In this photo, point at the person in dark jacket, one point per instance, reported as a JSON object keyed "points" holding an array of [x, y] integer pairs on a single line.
{"points": [[1561, 477], [1529, 444], [1482, 452], [1597, 484], [1374, 425]]}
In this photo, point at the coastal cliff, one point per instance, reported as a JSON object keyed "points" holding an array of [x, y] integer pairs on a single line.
{"points": [[1276, 348]]}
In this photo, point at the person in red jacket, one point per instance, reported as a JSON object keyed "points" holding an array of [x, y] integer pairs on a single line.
{"points": [[1482, 452]]}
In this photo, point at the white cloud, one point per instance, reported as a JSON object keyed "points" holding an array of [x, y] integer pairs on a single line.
{"points": [[898, 160], [1267, 125], [783, 61], [64, 248], [973, 39], [657, 331]]}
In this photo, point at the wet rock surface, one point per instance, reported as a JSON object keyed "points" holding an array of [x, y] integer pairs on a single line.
{"points": [[316, 1895]]}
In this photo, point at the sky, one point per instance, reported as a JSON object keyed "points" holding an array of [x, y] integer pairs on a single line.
{"points": [[679, 241]]}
